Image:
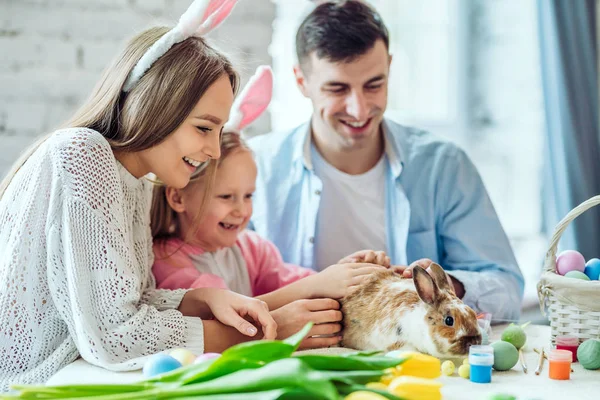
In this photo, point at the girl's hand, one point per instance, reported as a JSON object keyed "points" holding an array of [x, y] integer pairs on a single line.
{"points": [[230, 309], [339, 280], [367, 256], [325, 315]]}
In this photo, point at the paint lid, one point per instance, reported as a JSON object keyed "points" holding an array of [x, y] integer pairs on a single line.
{"points": [[484, 348], [567, 340], [481, 359], [560, 355]]}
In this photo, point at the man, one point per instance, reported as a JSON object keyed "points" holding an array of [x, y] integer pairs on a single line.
{"points": [[350, 179]]}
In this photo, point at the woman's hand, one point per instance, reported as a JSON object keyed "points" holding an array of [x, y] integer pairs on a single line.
{"points": [[230, 309], [324, 313]]}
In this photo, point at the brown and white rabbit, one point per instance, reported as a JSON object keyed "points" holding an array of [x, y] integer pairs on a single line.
{"points": [[389, 312]]}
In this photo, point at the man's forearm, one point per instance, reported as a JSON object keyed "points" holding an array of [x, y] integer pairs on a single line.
{"points": [[495, 292]]}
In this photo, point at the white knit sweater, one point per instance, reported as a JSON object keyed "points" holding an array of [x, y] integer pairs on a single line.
{"points": [[75, 266]]}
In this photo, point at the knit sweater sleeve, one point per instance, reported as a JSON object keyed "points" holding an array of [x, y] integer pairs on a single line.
{"points": [[98, 273]]}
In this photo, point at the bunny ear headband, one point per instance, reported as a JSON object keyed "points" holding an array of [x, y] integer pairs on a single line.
{"points": [[252, 101], [201, 17]]}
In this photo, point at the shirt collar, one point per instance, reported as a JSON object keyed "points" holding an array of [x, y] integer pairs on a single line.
{"points": [[392, 148]]}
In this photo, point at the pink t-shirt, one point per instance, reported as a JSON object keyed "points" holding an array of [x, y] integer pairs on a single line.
{"points": [[253, 266]]}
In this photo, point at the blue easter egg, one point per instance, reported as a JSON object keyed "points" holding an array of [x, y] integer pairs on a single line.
{"points": [[159, 364], [592, 269]]}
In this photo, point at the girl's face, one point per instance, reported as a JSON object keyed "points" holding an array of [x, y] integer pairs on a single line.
{"points": [[195, 141], [230, 208]]}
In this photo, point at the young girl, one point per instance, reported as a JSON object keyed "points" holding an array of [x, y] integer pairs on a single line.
{"points": [[75, 239], [219, 252]]}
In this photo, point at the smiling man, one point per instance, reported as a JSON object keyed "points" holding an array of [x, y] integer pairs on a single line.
{"points": [[350, 179]]}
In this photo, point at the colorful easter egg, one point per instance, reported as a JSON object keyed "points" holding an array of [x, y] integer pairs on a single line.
{"points": [[592, 269], [577, 275], [464, 371], [588, 354], [184, 356], [570, 260], [159, 364], [515, 335], [206, 356], [448, 368], [506, 355]]}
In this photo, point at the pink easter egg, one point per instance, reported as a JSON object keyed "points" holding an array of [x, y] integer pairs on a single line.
{"points": [[570, 260], [206, 356]]}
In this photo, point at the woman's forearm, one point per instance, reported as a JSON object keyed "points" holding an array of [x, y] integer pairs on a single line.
{"points": [[219, 337]]}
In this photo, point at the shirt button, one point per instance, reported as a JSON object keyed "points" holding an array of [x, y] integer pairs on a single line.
{"points": [[318, 192], [311, 239]]}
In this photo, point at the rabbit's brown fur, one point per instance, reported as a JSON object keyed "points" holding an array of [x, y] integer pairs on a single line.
{"points": [[390, 312]]}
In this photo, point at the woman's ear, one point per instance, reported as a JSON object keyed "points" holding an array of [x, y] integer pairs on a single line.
{"points": [[175, 199]]}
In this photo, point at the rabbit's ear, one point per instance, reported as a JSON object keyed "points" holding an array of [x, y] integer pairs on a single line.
{"points": [[253, 100], [426, 287], [216, 12], [440, 277]]}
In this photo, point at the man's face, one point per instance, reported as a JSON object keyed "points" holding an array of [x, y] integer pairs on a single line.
{"points": [[348, 99]]}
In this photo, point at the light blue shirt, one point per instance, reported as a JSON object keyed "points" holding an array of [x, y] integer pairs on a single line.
{"points": [[429, 182]]}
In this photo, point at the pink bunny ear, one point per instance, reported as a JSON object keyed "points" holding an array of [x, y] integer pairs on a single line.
{"points": [[216, 12], [253, 100]]}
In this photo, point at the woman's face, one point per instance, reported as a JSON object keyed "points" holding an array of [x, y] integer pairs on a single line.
{"points": [[196, 140]]}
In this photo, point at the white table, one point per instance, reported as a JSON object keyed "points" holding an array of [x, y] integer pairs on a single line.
{"points": [[584, 384]]}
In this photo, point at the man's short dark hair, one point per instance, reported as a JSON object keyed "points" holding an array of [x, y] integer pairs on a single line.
{"points": [[339, 31]]}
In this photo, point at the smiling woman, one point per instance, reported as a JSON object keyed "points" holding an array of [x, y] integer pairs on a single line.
{"points": [[192, 143], [75, 240]]}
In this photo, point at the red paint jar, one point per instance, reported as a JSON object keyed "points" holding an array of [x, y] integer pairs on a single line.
{"points": [[570, 343]]}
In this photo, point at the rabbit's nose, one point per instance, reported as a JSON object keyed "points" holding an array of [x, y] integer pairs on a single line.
{"points": [[474, 340]]}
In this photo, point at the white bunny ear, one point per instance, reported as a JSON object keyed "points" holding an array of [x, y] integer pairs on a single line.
{"points": [[215, 14], [201, 17], [253, 100], [194, 17]]}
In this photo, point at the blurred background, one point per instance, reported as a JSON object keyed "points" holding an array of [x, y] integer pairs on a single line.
{"points": [[513, 82]]}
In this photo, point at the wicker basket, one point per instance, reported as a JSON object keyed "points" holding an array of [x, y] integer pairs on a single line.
{"points": [[573, 304]]}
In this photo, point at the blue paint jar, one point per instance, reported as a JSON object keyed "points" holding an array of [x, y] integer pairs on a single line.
{"points": [[481, 360]]}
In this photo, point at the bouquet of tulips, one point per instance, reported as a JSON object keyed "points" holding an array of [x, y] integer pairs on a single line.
{"points": [[261, 369]]}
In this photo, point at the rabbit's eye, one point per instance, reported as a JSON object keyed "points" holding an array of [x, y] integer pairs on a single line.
{"points": [[449, 321]]}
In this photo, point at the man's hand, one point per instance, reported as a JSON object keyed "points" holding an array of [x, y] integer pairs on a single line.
{"points": [[324, 313], [406, 271], [369, 257]]}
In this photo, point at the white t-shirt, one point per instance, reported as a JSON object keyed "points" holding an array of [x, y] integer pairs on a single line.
{"points": [[351, 212]]}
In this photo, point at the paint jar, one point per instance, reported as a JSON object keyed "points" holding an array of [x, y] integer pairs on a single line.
{"points": [[560, 364], [481, 360], [570, 343]]}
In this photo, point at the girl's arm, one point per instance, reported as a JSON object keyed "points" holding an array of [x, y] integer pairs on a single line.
{"points": [[273, 281], [278, 283]]}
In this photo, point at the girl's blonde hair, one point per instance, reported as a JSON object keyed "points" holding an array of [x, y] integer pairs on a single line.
{"points": [[157, 105], [164, 220]]}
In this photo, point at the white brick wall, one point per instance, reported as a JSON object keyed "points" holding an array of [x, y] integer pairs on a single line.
{"points": [[53, 51]]}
